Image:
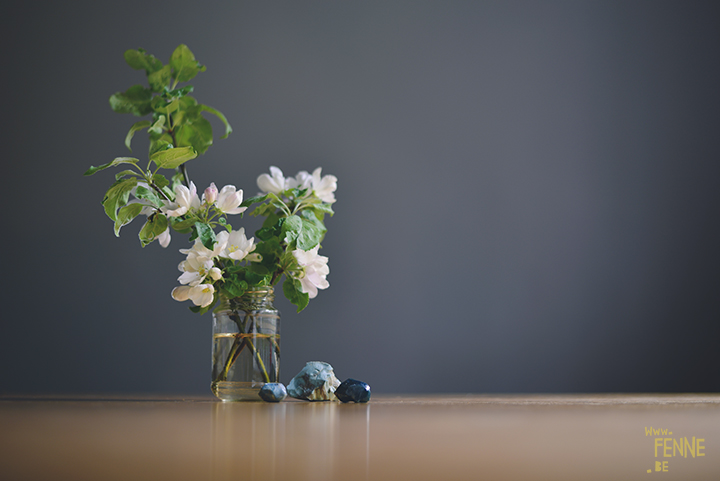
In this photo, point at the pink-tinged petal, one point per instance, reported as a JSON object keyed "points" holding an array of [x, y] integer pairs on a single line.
{"points": [[210, 194]]}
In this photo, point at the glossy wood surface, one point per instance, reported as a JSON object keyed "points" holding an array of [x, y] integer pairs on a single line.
{"points": [[448, 437]]}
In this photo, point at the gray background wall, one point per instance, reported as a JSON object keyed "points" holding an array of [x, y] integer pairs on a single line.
{"points": [[527, 199]]}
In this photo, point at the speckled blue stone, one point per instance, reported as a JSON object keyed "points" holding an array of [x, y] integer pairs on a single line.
{"points": [[353, 390], [273, 392]]}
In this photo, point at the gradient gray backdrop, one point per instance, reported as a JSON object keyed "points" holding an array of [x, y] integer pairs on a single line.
{"points": [[527, 199]]}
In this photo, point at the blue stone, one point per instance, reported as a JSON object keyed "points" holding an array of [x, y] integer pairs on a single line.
{"points": [[353, 390], [316, 382], [273, 392]]}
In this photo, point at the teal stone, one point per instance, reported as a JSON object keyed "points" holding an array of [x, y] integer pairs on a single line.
{"points": [[316, 382]]}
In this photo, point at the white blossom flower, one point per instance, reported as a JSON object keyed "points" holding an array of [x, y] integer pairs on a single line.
{"points": [[199, 249], [301, 181], [324, 186], [210, 194], [195, 269], [185, 199], [274, 183], [201, 295], [315, 271], [229, 200], [237, 246]]}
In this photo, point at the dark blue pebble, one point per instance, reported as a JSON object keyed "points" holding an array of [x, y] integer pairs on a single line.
{"points": [[353, 390], [273, 392]]}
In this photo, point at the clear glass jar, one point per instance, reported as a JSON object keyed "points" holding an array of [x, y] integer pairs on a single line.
{"points": [[246, 345]]}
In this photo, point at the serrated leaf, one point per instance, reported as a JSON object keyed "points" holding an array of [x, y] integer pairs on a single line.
{"points": [[183, 63], [205, 234], [291, 229], [181, 92], [125, 173], [323, 209], [135, 100], [157, 127], [117, 196], [140, 59], [158, 144], [196, 133], [160, 78], [228, 129], [160, 180], [142, 124], [294, 294], [116, 161], [155, 225], [172, 158], [234, 287], [251, 200], [182, 226], [144, 193], [125, 215], [309, 236]]}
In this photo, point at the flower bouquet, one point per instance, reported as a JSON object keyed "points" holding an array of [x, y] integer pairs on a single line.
{"points": [[223, 266]]}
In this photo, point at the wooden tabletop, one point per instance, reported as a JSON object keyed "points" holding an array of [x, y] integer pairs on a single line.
{"points": [[445, 437]]}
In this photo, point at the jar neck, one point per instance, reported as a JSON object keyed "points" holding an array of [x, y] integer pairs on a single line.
{"points": [[253, 299]]}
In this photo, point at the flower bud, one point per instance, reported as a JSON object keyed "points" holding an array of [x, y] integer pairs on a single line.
{"points": [[210, 195]]}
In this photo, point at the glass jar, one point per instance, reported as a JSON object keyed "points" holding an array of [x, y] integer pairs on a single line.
{"points": [[246, 345]]}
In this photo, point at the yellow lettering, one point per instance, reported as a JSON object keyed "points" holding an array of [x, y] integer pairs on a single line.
{"points": [[666, 448], [700, 447], [658, 443], [665, 467], [690, 448], [658, 466], [680, 447], [648, 431]]}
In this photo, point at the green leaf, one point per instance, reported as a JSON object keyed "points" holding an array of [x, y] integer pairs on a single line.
{"points": [[131, 133], [184, 64], [160, 180], [228, 129], [157, 127], [147, 194], [263, 210], [160, 143], [155, 225], [125, 173], [323, 208], [135, 100], [294, 294], [172, 158], [183, 226], [126, 215], [205, 234], [159, 79], [251, 200], [196, 133], [117, 196], [116, 161], [181, 92], [234, 287], [291, 229], [139, 59], [310, 235]]}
